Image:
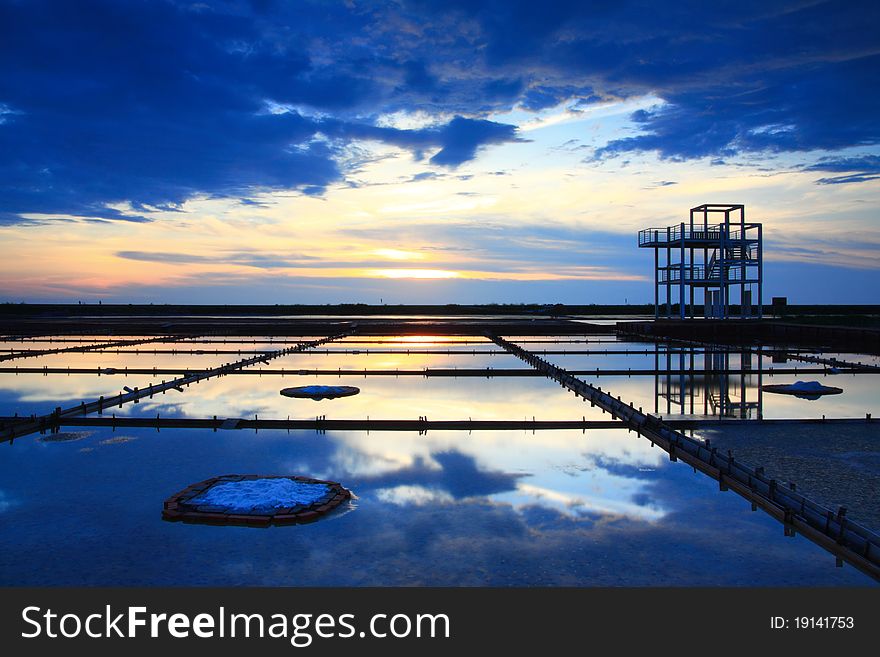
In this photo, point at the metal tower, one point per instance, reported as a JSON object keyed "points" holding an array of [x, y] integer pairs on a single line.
{"points": [[718, 258]]}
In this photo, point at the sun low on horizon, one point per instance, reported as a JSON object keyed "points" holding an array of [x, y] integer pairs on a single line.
{"points": [[427, 152]]}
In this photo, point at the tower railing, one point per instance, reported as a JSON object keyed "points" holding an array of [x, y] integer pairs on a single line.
{"points": [[673, 234], [698, 273]]}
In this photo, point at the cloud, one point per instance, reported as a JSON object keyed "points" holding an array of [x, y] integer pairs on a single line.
{"points": [[462, 137], [788, 110], [861, 168], [540, 97], [173, 258], [153, 103], [852, 178], [244, 258], [425, 175], [865, 163], [458, 139], [459, 476]]}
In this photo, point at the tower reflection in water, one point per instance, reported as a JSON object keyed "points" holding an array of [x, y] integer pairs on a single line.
{"points": [[708, 381]]}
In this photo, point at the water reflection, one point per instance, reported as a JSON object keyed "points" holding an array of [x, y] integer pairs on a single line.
{"points": [[574, 473], [702, 381], [444, 508], [381, 397], [682, 382], [556, 508], [668, 380]]}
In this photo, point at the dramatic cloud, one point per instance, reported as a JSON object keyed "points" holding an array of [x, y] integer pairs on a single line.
{"points": [[461, 138], [789, 110], [152, 103], [735, 76]]}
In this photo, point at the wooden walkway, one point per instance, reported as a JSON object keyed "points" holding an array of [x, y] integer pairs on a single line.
{"points": [[422, 425], [102, 346]]}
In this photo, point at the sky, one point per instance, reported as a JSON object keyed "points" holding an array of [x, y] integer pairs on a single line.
{"points": [[422, 151]]}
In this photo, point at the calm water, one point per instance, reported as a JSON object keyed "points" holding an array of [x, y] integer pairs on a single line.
{"points": [[501, 508]]}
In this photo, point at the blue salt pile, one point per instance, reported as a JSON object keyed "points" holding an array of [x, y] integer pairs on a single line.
{"points": [[803, 389], [317, 392], [260, 495]]}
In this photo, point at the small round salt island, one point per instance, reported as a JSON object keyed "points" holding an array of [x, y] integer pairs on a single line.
{"points": [[255, 500], [317, 393], [803, 389]]}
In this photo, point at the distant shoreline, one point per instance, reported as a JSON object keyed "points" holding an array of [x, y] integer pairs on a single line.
{"points": [[10, 309]]}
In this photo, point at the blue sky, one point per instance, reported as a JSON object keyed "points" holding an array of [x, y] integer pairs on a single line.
{"points": [[419, 151]]}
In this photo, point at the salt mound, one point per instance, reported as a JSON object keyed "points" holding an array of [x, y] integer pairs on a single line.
{"points": [[255, 500], [317, 392], [320, 390], [806, 386], [260, 494], [803, 389]]}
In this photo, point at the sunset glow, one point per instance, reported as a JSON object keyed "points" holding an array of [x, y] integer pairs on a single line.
{"points": [[415, 273]]}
